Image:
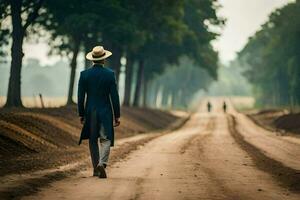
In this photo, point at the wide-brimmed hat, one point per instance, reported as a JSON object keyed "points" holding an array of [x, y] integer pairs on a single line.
{"points": [[98, 53]]}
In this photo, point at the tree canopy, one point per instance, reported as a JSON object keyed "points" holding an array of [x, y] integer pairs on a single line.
{"points": [[272, 58], [155, 34]]}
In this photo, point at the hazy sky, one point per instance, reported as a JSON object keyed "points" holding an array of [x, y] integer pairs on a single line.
{"points": [[244, 18]]}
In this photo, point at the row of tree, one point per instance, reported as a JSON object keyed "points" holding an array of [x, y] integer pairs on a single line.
{"points": [[151, 34], [272, 58], [178, 85]]}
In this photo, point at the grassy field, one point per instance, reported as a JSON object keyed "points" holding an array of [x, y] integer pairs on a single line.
{"points": [[240, 103], [35, 102]]}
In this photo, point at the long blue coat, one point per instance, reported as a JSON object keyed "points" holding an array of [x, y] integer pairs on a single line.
{"points": [[98, 86]]}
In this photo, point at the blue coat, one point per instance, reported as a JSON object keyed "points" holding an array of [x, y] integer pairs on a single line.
{"points": [[98, 85]]}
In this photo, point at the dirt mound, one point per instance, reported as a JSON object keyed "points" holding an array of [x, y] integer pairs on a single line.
{"points": [[266, 117], [145, 119], [289, 122], [268, 111], [32, 139]]}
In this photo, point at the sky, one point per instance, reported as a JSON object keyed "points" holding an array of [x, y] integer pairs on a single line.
{"points": [[244, 18]]}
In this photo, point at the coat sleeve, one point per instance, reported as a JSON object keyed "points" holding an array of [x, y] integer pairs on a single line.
{"points": [[81, 95], [115, 97]]}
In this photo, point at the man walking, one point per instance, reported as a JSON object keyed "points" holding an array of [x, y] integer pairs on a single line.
{"points": [[224, 107], [98, 104], [208, 106]]}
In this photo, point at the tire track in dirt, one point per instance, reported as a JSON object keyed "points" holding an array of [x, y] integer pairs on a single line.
{"points": [[208, 127], [140, 181], [283, 149], [230, 172], [288, 177], [217, 184]]}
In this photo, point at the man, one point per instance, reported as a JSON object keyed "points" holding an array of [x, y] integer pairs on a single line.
{"points": [[98, 103], [209, 106], [224, 107]]}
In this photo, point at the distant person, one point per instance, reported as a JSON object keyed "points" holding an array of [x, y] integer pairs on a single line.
{"points": [[224, 107], [209, 106], [98, 85]]}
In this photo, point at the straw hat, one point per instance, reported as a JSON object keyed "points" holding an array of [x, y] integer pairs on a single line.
{"points": [[98, 53]]}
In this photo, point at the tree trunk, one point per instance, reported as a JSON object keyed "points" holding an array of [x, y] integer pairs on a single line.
{"points": [[87, 49], [14, 86], [137, 92], [145, 92], [180, 98], [173, 105], [151, 94], [185, 99], [165, 98], [73, 66], [116, 62], [155, 93], [128, 81]]}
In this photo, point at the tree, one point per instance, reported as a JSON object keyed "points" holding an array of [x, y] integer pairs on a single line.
{"points": [[183, 30], [96, 24], [274, 52], [166, 27], [72, 25], [179, 84], [15, 10]]}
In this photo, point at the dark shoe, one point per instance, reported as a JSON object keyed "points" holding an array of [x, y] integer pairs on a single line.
{"points": [[100, 168], [96, 172]]}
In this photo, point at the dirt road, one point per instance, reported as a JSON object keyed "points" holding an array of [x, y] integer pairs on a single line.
{"points": [[202, 160]]}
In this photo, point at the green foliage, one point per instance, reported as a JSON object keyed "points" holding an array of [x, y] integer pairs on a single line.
{"points": [[272, 58], [198, 15], [68, 22], [185, 33]]}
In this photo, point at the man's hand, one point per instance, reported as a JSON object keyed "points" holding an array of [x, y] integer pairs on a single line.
{"points": [[82, 120], [117, 122]]}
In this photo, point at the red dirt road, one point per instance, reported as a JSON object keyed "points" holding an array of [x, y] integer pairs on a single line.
{"points": [[205, 159]]}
